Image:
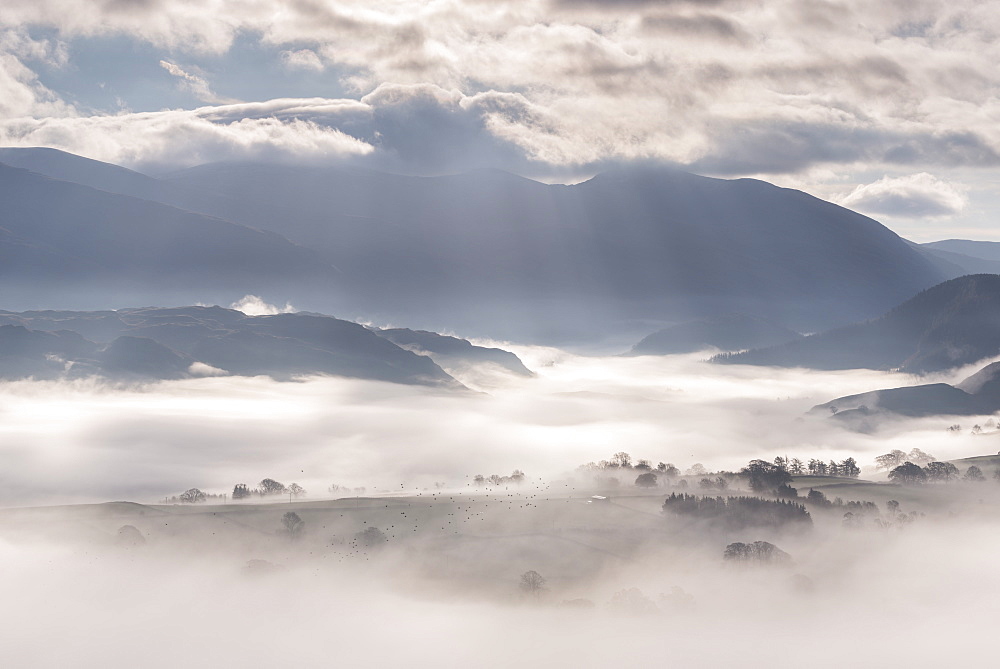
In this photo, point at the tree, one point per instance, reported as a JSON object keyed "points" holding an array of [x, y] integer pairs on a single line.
{"points": [[241, 491], [890, 460], [850, 469], [479, 480], [296, 490], [908, 474], [532, 582], [817, 498], [647, 480], [192, 496], [621, 459], [271, 487], [974, 473], [371, 537], [795, 467], [942, 472], [668, 469], [292, 523], [697, 469], [764, 476], [758, 551], [917, 456], [643, 465]]}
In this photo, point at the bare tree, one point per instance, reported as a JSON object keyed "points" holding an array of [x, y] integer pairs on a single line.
{"points": [[532, 582], [292, 523], [192, 496], [621, 459], [271, 487]]}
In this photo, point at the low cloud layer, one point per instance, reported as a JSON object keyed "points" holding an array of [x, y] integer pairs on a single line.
{"points": [[211, 433]]}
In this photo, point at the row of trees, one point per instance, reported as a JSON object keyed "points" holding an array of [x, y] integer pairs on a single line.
{"points": [[194, 496], [815, 467], [737, 512], [910, 473], [896, 457], [495, 480], [267, 488], [622, 460]]}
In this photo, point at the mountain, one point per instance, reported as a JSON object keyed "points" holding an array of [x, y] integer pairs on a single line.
{"points": [[979, 394], [954, 264], [64, 242], [452, 352], [732, 332], [492, 253], [989, 251], [164, 343], [952, 324]]}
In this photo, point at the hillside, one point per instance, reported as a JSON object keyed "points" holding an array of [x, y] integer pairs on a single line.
{"points": [[494, 254], [979, 394], [952, 324], [163, 343], [732, 332], [451, 352], [65, 243]]}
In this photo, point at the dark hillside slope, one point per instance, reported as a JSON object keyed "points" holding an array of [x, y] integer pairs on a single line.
{"points": [[952, 324]]}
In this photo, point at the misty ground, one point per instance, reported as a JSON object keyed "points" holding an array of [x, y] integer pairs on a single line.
{"points": [[625, 583], [219, 584]]}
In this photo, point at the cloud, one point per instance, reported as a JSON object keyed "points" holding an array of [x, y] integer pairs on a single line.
{"points": [[302, 59], [914, 196], [575, 410], [196, 85], [252, 305], [725, 87]]}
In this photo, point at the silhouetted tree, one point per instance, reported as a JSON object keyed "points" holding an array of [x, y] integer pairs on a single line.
{"points": [[764, 476], [532, 582], [697, 469], [941, 472], [737, 512], [647, 480], [817, 498], [908, 474], [192, 496], [850, 469], [621, 459], [296, 490], [890, 460], [918, 457], [271, 487], [758, 551], [371, 537], [241, 491], [974, 473], [795, 467], [668, 469], [643, 465], [292, 523], [786, 491]]}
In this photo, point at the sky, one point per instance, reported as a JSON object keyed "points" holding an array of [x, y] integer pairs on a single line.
{"points": [[890, 108]]}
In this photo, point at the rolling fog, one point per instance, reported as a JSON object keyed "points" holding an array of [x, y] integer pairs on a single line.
{"points": [[626, 585], [93, 442]]}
